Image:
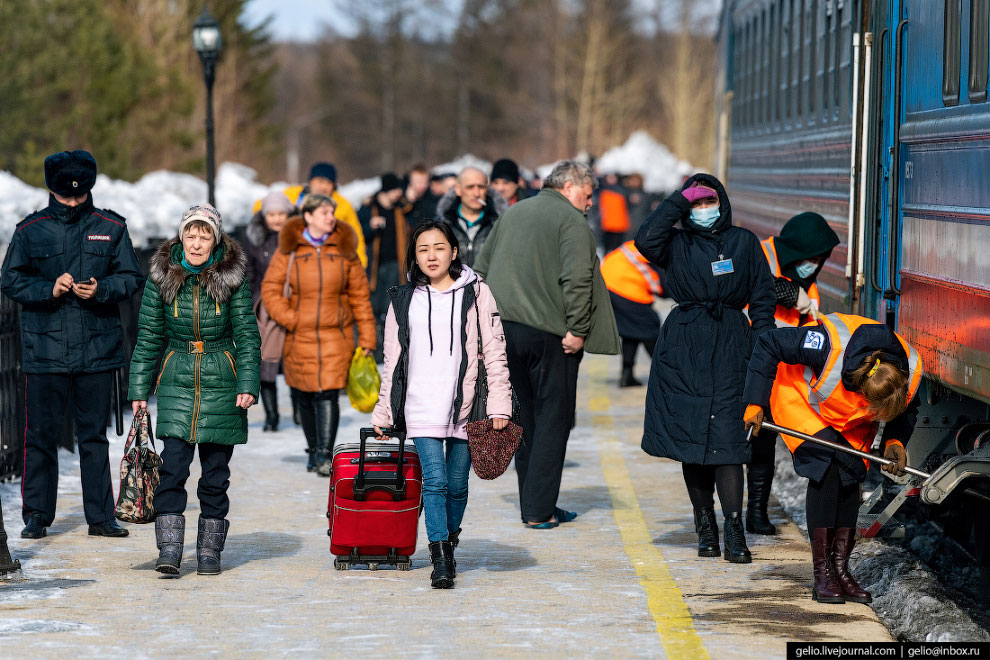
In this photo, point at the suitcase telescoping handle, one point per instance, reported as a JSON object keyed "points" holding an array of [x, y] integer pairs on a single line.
{"points": [[397, 487]]}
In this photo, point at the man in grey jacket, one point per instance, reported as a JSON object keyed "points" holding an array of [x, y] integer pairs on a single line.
{"points": [[541, 265]]}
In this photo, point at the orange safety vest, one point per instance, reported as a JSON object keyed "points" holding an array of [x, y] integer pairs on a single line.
{"points": [[786, 315], [614, 212], [802, 402], [627, 273]]}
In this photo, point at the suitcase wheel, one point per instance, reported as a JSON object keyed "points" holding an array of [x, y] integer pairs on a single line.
{"points": [[372, 565], [341, 564], [404, 565]]}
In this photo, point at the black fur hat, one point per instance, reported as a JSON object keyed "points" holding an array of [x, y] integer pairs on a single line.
{"points": [[70, 173]]}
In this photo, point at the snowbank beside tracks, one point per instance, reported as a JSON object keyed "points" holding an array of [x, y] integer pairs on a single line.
{"points": [[910, 599]]}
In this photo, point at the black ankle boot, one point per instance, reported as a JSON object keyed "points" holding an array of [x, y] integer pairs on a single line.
{"points": [[759, 478], [170, 529], [442, 554], [707, 528], [269, 399], [7, 565], [209, 543], [627, 379], [735, 540]]}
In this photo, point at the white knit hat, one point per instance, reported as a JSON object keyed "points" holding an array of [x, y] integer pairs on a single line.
{"points": [[205, 213]]}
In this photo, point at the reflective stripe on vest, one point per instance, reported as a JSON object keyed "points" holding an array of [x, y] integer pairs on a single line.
{"points": [[650, 275], [829, 403], [771, 252]]}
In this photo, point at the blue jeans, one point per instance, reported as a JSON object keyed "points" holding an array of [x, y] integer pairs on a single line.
{"points": [[445, 484]]}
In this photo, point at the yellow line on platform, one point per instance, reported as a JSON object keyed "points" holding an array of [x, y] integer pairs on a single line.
{"points": [[665, 600]]}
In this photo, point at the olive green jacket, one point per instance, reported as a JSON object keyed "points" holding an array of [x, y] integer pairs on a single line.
{"points": [[183, 314], [541, 264]]}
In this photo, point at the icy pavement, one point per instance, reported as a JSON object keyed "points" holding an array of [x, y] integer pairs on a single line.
{"points": [[908, 596], [623, 580]]}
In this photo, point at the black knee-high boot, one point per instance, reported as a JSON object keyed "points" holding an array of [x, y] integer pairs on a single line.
{"points": [[269, 399], [327, 421], [759, 479]]}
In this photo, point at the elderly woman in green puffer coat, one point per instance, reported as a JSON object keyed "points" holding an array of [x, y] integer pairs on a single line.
{"points": [[197, 315]]}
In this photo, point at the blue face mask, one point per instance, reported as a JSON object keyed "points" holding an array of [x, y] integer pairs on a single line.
{"points": [[806, 269], [705, 218]]}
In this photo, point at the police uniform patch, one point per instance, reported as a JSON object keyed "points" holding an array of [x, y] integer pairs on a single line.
{"points": [[814, 340]]}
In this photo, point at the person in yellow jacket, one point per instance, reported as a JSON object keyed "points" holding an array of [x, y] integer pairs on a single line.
{"points": [[632, 283], [323, 181], [796, 257], [835, 380]]}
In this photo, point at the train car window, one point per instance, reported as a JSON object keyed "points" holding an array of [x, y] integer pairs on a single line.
{"points": [[979, 49], [813, 57], [827, 59], [951, 56], [837, 71]]}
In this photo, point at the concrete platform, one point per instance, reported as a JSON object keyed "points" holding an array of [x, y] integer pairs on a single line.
{"points": [[623, 580]]}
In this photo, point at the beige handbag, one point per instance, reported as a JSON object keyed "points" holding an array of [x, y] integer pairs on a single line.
{"points": [[273, 334]]}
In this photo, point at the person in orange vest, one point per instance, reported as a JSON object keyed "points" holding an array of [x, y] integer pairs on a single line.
{"points": [[835, 380], [632, 283], [613, 212], [796, 257]]}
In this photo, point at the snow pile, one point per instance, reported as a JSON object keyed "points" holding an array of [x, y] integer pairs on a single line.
{"points": [[359, 190], [467, 160], [907, 596], [662, 171]]}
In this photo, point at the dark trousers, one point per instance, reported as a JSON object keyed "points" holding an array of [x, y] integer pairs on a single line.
{"points": [[545, 382], [629, 347], [214, 459], [47, 403]]}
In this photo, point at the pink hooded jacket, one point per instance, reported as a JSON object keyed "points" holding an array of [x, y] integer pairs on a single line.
{"points": [[438, 404]]}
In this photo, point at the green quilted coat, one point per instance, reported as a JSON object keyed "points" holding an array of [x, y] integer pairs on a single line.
{"points": [[204, 328]]}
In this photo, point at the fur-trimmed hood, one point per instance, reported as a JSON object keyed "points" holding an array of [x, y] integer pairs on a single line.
{"points": [[257, 230], [343, 236], [220, 279]]}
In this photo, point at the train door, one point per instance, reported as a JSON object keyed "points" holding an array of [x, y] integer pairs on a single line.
{"points": [[889, 27]]}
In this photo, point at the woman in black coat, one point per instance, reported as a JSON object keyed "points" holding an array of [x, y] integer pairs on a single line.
{"points": [[262, 241], [694, 399]]}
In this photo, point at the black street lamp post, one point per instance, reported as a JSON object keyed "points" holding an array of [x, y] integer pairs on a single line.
{"points": [[207, 42]]}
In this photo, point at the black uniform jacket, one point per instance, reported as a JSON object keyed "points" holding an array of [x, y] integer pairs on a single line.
{"points": [[694, 401], [68, 334], [788, 345]]}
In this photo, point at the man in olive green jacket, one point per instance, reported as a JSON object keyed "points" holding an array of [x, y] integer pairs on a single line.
{"points": [[540, 263]]}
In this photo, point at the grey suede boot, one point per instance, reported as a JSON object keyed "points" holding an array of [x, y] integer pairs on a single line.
{"points": [[170, 529], [209, 543]]}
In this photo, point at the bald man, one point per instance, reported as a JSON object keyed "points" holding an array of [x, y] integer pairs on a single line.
{"points": [[471, 210]]}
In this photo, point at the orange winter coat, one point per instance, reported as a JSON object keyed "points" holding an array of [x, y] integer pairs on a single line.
{"points": [[328, 295]]}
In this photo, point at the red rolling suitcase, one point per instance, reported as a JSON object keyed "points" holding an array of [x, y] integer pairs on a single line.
{"points": [[374, 505]]}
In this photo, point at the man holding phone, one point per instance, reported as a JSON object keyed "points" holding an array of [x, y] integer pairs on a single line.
{"points": [[68, 266]]}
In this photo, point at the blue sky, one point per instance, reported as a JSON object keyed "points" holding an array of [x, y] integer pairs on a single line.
{"points": [[299, 20]]}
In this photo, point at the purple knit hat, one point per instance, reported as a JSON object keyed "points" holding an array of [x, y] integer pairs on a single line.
{"points": [[698, 192]]}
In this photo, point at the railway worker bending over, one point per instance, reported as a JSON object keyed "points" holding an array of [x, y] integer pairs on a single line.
{"points": [[795, 257], [835, 380]]}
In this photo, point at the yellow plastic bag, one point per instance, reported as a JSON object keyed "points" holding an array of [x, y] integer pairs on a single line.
{"points": [[363, 381]]}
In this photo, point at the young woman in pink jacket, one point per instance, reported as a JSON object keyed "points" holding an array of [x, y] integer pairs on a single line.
{"points": [[429, 375]]}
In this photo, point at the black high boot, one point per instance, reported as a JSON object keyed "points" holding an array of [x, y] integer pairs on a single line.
{"points": [[627, 379], [269, 399], [441, 554], [706, 526], [294, 397], [327, 420], [7, 564], [759, 479], [735, 540], [209, 544], [170, 529]]}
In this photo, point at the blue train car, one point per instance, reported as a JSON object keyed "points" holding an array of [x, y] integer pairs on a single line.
{"points": [[874, 113]]}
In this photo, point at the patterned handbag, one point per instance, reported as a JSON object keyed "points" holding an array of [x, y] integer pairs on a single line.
{"points": [[491, 450], [138, 473]]}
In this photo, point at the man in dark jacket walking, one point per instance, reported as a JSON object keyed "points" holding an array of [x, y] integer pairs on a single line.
{"points": [[471, 211], [541, 265], [68, 266]]}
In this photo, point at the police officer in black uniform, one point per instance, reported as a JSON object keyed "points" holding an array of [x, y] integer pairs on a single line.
{"points": [[68, 266]]}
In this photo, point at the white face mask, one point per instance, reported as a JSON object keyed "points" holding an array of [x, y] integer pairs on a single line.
{"points": [[705, 217], [806, 269]]}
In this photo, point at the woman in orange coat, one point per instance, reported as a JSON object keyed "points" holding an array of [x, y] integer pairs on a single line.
{"points": [[328, 295]]}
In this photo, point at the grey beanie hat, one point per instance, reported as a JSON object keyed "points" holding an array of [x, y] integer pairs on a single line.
{"points": [[206, 213], [276, 201]]}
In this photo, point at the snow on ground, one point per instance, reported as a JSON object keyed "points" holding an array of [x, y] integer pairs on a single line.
{"points": [[907, 596], [153, 204]]}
